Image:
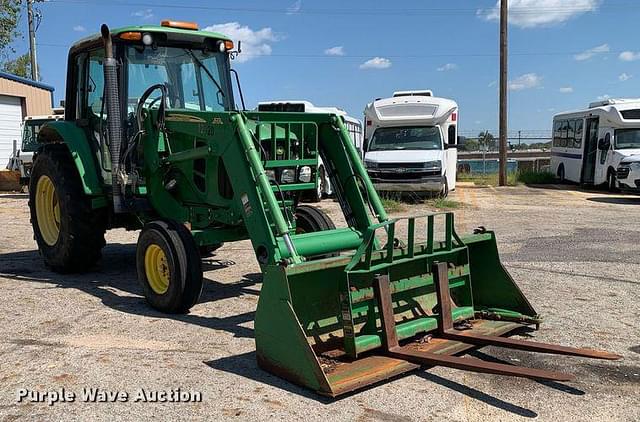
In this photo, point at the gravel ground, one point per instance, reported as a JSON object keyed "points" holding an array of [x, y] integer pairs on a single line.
{"points": [[573, 252]]}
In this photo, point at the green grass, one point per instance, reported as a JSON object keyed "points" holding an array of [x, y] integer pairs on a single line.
{"points": [[396, 202], [392, 202], [488, 179], [444, 203], [536, 178]]}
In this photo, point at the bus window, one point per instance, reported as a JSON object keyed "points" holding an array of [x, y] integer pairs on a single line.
{"points": [[578, 139], [571, 133], [563, 133], [556, 133]]}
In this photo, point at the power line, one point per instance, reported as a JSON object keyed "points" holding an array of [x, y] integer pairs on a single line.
{"points": [[522, 10]]}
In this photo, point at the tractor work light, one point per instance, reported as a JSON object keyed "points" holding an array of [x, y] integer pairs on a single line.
{"points": [[288, 176], [225, 45], [180, 25], [305, 174], [147, 39]]}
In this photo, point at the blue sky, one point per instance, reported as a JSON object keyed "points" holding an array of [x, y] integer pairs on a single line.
{"points": [[563, 53]]}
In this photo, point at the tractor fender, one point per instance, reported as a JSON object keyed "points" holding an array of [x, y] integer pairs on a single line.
{"points": [[62, 132]]}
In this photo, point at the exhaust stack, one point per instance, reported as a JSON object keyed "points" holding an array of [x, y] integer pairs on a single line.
{"points": [[114, 122]]}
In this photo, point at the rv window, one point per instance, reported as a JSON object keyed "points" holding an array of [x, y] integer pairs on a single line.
{"points": [[452, 135]]}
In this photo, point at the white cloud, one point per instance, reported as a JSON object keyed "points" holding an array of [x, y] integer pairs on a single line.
{"points": [[526, 81], [532, 13], [566, 90], [447, 67], [376, 63], [335, 51], [79, 28], [254, 43], [604, 97], [294, 8], [624, 76], [629, 56], [492, 84], [144, 14], [586, 55]]}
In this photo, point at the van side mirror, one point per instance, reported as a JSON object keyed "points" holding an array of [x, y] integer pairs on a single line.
{"points": [[365, 145], [604, 144]]}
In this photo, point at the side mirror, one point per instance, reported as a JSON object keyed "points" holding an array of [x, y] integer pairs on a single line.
{"points": [[604, 144], [365, 145]]}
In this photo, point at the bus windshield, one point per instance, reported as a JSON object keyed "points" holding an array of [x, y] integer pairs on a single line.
{"points": [[195, 80], [411, 138], [627, 138]]}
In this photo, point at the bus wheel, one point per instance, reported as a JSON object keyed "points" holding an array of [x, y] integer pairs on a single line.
{"points": [[561, 174], [611, 182]]}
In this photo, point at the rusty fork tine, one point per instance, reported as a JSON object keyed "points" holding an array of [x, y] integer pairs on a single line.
{"points": [[476, 365], [531, 346], [446, 330], [390, 341]]}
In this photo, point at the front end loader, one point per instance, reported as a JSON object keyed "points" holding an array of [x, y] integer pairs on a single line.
{"points": [[153, 140]]}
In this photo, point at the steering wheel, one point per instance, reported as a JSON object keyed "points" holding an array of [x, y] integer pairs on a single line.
{"points": [[154, 101], [161, 100]]}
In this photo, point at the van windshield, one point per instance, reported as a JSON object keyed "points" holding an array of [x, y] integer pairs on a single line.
{"points": [[412, 138], [627, 138]]}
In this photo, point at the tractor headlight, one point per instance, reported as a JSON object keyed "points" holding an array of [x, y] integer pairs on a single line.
{"points": [[271, 174], [370, 164], [305, 174], [288, 176], [433, 165]]}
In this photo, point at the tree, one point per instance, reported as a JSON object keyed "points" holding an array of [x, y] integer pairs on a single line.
{"points": [[20, 66], [9, 18], [471, 145], [486, 138]]}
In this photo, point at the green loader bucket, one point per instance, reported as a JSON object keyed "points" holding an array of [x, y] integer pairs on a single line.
{"points": [[339, 324]]}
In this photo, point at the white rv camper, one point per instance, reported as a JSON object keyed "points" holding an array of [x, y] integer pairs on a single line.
{"points": [[410, 142]]}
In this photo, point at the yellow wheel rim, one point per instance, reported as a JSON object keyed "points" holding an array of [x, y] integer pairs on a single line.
{"points": [[157, 269], [47, 210]]}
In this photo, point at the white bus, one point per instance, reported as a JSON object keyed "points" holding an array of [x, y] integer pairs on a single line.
{"points": [[589, 145], [354, 126], [410, 142]]}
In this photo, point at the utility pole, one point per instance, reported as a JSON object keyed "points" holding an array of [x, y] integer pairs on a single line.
{"points": [[502, 179], [32, 40]]}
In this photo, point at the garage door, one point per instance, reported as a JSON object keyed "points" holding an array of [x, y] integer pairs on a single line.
{"points": [[10, 120]]}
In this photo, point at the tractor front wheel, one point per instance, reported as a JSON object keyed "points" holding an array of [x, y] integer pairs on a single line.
{"points": [[69, 233], [169, 266]]}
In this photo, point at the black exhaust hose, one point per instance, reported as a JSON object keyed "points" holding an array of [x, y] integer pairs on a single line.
{"points": [[114, 122]]}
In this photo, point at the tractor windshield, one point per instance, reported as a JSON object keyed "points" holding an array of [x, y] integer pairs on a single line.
{"points": [[195, 80]]}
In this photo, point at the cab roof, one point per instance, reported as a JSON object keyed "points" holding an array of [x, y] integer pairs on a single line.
{"points": [[149, 28]]}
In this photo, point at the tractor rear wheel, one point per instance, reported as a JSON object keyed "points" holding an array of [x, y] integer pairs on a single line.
{"points": [[169, 266], [69, 233], [311, 219]]}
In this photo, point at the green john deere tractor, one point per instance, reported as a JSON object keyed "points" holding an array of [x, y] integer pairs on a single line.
{"points": [[153, 140]]}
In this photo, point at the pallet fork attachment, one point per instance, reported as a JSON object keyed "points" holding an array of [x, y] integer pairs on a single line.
{"points": [[447, 331]]}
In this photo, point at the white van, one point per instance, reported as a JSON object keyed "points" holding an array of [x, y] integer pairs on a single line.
{"points": [[410, 142], [599, 145]]}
